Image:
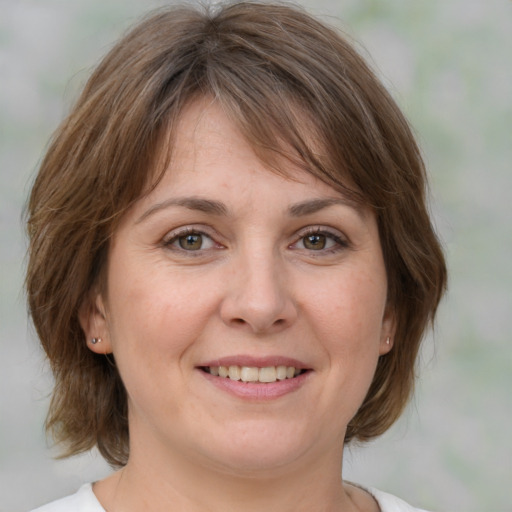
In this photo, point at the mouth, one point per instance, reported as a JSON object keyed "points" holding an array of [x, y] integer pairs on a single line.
{"points": [[254, 374]]}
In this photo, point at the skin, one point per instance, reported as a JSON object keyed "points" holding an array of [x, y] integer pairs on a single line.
{"points": [[258, 286]]}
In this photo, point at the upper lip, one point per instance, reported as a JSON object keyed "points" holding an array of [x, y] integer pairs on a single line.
{"points": [[257, 362]]}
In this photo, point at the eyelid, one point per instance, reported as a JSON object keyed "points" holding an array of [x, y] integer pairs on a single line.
{"points": [[173, 235], [341, 240]]}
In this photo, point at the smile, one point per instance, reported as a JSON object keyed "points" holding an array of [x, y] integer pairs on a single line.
{"points": [[263, 375]]}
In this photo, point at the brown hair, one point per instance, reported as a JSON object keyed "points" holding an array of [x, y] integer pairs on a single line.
{"points": [[292, 84]]}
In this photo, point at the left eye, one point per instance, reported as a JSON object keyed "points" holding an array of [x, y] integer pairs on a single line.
{"points": [[319, 241], [192, 241], [315, 242]]}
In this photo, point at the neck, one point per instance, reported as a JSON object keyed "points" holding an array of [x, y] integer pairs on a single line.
{"points": [[178, 483]]}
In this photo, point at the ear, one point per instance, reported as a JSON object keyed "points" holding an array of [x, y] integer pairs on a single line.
{"points": [[388, 331], [92, 318]]}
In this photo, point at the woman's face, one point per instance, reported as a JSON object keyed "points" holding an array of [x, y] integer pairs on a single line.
{"points": [[226, 267]]}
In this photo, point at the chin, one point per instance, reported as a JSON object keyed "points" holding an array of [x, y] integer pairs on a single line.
{"points": [[253, 447], [257, 463]]}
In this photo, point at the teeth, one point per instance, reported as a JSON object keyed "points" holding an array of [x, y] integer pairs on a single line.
{"points": [[249, 374], [267, 374], [234, 372], [281, 372], [254, 374]]}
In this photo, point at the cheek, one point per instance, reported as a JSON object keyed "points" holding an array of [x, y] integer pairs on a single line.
{"points": [[350, 308], [156, 314], [348, 322], [153, 323]]}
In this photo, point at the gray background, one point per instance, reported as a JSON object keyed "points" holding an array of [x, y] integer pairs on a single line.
{"points": [[449, 65]]}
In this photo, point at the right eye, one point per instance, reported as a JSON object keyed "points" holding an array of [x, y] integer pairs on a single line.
{"points": [[190, 240], [316, 241]]}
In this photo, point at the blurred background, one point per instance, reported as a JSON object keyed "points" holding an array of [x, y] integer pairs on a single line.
{"points": [[448, 63]]}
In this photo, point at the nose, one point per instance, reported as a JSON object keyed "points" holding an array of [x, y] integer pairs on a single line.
{"points": [[259, 297]]}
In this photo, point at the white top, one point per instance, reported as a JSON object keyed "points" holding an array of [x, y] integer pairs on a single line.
{"points": [[85, 501]]}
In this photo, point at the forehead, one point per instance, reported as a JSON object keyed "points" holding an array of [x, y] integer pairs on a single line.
{"points": [[207, 130], [212, 165]]}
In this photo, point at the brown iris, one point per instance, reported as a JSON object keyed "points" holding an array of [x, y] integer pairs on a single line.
{"points": [[191, 242], [315, 242]]}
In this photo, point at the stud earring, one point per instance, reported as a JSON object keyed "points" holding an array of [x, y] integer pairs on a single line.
{"points": [[95, 340], [388, 341]]}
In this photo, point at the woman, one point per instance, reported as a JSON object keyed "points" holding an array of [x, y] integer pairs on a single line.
{"points": [[231, 265]]}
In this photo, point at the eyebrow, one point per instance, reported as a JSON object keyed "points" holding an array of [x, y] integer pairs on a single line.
{"points": [[192, 203], [218, 208], [315, 205]]}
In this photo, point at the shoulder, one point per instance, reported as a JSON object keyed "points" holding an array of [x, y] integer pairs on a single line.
{"points": [[389, 503], [83, 500]]}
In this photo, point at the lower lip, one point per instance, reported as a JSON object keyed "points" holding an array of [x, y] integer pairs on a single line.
{"points": [[257, 391]]}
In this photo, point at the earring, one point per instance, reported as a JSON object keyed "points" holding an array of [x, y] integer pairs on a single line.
{"points": [[388, 341], [95, 340]]}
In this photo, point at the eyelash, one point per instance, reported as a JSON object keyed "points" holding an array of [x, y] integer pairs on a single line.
{"points": [[340, 243], [169, 242]]}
